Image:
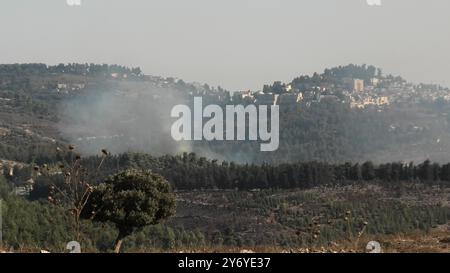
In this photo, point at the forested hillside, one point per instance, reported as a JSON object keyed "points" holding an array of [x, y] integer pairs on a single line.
{"points": [[341, 173], [119, 108]]}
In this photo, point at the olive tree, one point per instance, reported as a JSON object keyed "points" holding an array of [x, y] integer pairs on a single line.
{"points": [[131, 200]]}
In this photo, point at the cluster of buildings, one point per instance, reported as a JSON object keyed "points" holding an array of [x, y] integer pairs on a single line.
{"points": [[65, 87], [352, 91], [289, 98], [358, 93]]}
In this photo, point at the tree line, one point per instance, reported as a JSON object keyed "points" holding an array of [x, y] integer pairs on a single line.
{"points": [[189, 172]]}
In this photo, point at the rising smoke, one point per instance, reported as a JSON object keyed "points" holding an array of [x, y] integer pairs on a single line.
{"points": [[124, 119]]}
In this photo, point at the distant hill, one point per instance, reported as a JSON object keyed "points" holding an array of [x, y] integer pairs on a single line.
{"points": [[348, 113]]}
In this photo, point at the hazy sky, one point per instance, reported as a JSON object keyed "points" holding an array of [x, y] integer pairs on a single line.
{"points": [[238, 44]]}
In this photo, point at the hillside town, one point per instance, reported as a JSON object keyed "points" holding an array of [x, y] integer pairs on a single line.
{"points": [[358, 86], [358, 93]]}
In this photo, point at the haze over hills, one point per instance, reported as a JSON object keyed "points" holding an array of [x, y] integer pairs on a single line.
{"points": [[345, 107], [349, 113]]}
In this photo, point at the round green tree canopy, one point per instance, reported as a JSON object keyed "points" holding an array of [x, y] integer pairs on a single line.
{"points": [[131, 200]]}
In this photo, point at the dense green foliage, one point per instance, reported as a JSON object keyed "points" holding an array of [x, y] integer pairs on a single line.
{"points": [[14, 76], [188, 171], [131, 200], [30, 226], [239, 219], [328, 131]]}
